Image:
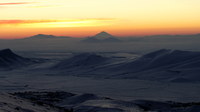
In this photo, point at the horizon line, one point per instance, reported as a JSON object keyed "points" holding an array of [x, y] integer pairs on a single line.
{"points": [[127, 36]]}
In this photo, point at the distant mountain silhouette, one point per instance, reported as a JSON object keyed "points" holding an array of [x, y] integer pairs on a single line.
{"points": [[102, 37], [43, 36], [10, 60]]}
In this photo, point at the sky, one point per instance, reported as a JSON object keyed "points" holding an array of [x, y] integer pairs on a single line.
{"points": [[80, 18]]}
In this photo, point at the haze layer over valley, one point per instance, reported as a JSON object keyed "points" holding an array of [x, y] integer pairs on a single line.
{"points": [[102, 42]]}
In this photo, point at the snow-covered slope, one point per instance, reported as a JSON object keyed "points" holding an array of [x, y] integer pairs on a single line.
{"points": [[77, 99], [10, 60], [174, 65], [82, 60], [102, 37], [81, 63], [164, 59], [164, 64], [94, 103], [82, 102], [10, 103]]}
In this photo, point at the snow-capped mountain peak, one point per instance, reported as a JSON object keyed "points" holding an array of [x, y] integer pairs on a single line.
{"points": [[103, 35]]}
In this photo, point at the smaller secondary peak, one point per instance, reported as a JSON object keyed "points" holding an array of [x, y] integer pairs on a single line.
{"points": [[43, 36]]}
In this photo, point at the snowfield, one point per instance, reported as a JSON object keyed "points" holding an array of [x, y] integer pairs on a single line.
{"points": [[159, 81], [59, 101]]}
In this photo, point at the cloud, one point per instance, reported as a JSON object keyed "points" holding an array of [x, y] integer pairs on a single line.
{"points": [[15, 3], [24, 21], [58, 23], [28, 5], [43, 6]]}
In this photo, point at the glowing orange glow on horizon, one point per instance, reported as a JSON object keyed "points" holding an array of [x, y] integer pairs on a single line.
{"points": [[82, 18], [90, 31]]}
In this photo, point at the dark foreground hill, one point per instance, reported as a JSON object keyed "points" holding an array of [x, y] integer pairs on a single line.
{"points": [[10, 60]]}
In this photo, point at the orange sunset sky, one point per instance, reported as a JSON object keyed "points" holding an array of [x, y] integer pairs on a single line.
{"points": [[80, 18]]}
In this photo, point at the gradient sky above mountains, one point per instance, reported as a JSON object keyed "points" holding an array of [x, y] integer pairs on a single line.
{"points": [[20, 18]]}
